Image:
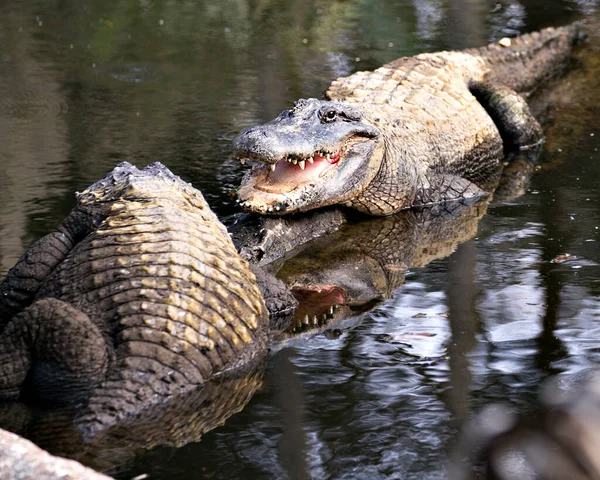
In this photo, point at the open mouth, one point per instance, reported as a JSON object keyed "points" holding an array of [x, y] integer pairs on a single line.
{"points": [[286, 182], [317, 295], [318, 306], [294, 170]]}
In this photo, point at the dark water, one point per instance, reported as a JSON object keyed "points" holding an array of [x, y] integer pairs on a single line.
{"points": [[84, 85]]}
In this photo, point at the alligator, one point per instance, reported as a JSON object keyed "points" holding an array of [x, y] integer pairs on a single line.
{"points": [[138, 297], [419, 130]]}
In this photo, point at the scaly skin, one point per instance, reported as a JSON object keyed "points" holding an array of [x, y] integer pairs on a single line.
{"points": [[419, 130], [138, 297]]}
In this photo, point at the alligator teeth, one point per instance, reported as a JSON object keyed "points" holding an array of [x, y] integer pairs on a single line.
{"points": [[310, 159], [302, 164], [315, 320], [306, 319], [273, 167], [331, 310], [295, 162], [243, 161], [328, 157]]}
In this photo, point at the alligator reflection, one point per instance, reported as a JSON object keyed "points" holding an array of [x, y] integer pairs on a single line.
{"points": [[180, 421], [362, 264]]}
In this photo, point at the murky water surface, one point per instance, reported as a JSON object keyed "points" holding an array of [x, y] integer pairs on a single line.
{"points": [[84, 85]]}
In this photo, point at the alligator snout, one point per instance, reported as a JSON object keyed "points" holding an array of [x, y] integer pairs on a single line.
{"points": [[255, 143], [257, 131], [286, 136]]}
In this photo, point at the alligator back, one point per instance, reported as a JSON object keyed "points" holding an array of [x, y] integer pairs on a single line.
{"points": [[180, 304], [520, 63], [152, 282]]}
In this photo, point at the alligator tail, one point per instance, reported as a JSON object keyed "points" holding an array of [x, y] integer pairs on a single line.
{"points": [[522, 63]]}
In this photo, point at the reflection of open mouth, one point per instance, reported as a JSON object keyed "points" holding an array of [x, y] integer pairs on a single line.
{"points": [[314, 320], [318, 304], [319, 295]]}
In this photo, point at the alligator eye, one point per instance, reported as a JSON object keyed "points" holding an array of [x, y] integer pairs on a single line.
{"points": [[329, 116]]}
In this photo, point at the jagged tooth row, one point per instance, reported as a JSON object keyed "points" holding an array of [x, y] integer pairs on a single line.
{"points": [[295, 159], [265, 209], [315, 320]]}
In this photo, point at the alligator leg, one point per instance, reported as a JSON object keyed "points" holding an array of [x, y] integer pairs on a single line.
{"points": [[56, 348], [509, 111], [20, 286]]}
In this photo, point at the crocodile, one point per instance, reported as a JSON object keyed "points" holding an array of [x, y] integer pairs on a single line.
{"points": [[137, 298], [418, 130]]}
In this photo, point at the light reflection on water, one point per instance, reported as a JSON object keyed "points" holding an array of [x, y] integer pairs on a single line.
{"points": [[85, 86]]}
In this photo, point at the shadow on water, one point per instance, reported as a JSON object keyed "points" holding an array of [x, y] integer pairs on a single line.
{"points": [[428, 331]]}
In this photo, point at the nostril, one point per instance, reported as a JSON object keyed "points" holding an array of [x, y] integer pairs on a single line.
{"points": [[248, 131], [265, 134]]}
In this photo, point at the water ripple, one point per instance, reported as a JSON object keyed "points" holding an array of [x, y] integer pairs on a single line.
{"points": [[33, 102]]}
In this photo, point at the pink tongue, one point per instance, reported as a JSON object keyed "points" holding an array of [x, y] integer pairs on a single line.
{"points": [[334, 158], [319, 295], [287, 174]]}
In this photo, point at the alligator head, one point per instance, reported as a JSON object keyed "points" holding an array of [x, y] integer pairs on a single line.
{"points": [[318, 153]]}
